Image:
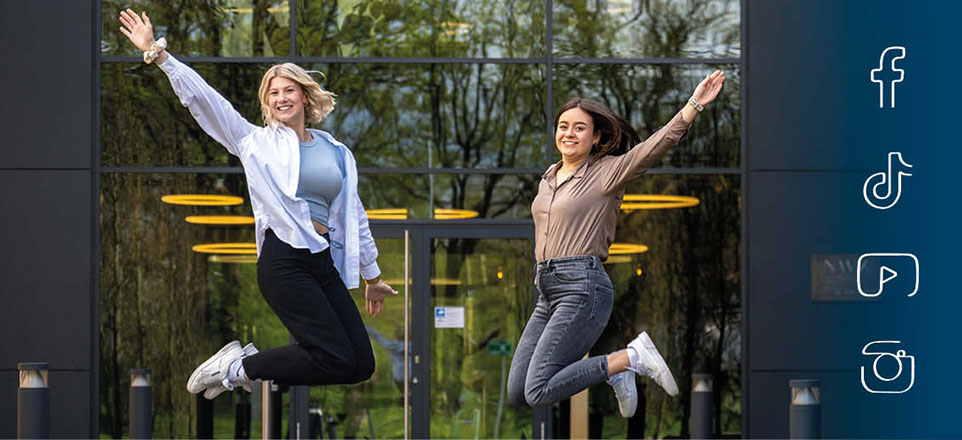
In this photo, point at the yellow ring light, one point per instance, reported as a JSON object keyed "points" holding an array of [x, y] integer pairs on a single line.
{"points": [[220, 220], [233, 259], [201, 200], [626, 248], [454, 214], [387, 214], [633, 202], [402, 214], [227, 248]]}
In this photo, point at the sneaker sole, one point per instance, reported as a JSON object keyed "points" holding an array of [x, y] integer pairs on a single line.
{"points": [[192, 381], [671, 387]]}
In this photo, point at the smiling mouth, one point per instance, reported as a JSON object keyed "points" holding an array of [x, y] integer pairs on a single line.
{"points": [[285, 108]]}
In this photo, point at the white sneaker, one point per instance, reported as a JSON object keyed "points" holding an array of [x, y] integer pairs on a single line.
{"points": [[625, 391], [214, 369], [218, 388], [651, 364]]}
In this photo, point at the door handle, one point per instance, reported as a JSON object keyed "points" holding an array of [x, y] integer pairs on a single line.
{"points": [[407, 339]]}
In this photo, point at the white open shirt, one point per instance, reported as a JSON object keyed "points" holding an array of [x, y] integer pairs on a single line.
{"points": [[271, 159]]}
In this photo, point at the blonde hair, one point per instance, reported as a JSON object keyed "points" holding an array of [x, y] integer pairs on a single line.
{"points": [[320, 102]]}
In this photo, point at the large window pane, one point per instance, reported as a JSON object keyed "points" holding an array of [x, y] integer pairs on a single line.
{"points": [[439, 115], [648, 96], [685, 291], [229, 28], [450, 115], [143, 123], [647, 29], [165, 306], [430, 28]]}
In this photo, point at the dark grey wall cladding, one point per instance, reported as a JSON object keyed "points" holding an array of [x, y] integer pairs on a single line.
{"points": [[794, 129], [69, 405], [46, 268], [47, 106], [827, 218], [45, 193]]}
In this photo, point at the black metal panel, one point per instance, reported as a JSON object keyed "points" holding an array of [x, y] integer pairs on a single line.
{"points": [[46, 108], [46, 269]]}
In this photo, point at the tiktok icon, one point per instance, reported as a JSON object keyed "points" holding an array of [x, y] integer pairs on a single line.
{"points": [[886, 190]]}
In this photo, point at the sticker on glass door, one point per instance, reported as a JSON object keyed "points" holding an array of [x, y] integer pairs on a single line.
{"points": [[448, 317]]}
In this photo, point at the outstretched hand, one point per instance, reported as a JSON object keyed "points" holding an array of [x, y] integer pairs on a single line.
{"points": [[137, 28], [374, 296], [709, 87]]}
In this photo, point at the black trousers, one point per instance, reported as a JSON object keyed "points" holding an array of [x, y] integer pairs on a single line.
{"points": [[307, 294]]}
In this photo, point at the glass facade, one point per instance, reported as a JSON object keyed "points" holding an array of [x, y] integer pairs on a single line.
{"points": [[448, 107]]}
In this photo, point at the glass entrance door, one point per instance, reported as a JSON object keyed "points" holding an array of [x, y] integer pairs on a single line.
{"points": [[480, 298], [470, 294]]}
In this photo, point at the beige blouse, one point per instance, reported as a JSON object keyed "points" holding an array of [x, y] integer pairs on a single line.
{"points": [[579, 216]]}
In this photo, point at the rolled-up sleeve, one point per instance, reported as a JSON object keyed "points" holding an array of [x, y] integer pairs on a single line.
{"points": [[215, 114]]}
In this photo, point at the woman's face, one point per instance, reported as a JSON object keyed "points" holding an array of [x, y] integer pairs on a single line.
{"points": [[575, 134], [286, 100]]}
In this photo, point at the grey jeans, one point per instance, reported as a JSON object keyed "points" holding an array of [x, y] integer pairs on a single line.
{"points": [[574, 303]]}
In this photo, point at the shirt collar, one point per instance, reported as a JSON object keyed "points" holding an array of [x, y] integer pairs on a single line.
{"points": [[552, 170]]}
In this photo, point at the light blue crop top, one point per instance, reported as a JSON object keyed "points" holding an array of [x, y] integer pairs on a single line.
{"points": [[321, 176]]}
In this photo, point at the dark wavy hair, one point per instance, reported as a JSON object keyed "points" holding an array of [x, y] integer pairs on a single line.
{"points": [[617, 135]]}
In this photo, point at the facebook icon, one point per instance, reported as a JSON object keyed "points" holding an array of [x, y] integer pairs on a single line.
{"points": [[887, 74]]}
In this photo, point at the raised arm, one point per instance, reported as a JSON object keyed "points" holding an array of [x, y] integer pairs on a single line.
{"points": [[215, 115], [643, 156]]}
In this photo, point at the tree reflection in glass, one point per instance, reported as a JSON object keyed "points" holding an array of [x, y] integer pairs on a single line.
{"points": [[227, 28], [165, 306], [439, 115], [436, 115], [143, 123], [430, 28], [647, 28]]}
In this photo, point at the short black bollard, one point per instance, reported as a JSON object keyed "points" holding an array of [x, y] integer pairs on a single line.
{"points": [[242, 416], [277, 405], [701, 390], [636, 424], [205, 417], [33, 401], [141, 423], [805, 416]]}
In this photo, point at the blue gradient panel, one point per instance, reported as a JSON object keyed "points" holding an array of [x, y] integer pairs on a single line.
{"points": [[815, 135]]}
